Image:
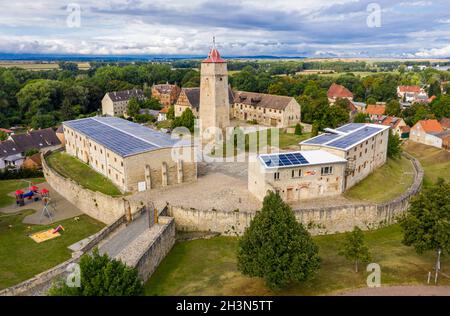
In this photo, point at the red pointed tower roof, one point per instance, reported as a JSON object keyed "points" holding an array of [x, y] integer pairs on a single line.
{"points": [[214, 57]]}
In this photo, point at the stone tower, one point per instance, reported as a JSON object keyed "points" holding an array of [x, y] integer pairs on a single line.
{"points": [[214, 99]]}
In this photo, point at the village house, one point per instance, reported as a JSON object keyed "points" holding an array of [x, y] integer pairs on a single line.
{"points": [[375, 110], [116, 103], [397, 125], [337, 91], [134, 157], [363, 146], [412, 94], [266, 109], [162, 115], [10, 155], [167, 94], [359, 106], [14, 150], [429, 132]]}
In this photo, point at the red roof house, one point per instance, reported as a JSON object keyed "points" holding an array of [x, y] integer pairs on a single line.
{"points": [[410, 89], [337, 91], [376, 109]]}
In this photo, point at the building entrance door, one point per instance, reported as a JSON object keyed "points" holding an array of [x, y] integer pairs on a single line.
{"points": [[273, 122]]}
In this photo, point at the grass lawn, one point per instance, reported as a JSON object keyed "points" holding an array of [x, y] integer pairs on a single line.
{"points": [[435, 162], [208, 267], [399, 173], [21, 258], [286, 141], [8, 186], [71, 167]]}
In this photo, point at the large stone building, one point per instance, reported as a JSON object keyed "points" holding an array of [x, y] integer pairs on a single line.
{"points": [[266, 109], [364, 146], [133, 157], [116, 103], [167, 94], [297, 175], [214, 99], [190, 99]]}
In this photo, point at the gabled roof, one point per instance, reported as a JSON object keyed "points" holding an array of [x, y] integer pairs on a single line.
{"points": [[375, 109], [125, 95], [445, 122], [37, 139], [123, 137], [391, 121], [431, 126], [412, 89], [338, 91], [270, 101], [193, 96], [36, 158], [164, 88], [9, 148]]}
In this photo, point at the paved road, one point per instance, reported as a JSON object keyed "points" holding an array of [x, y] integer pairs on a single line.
{"points": [[402, 290], [124, 236]]}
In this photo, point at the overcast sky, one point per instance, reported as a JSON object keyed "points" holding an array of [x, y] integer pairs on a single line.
{"points": [[315, 28]]}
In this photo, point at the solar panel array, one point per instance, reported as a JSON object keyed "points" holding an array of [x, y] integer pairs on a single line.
{"points": [[145, 133], [284, 160], [350, 127], [321, 139], [119, 141], [354, 138]]}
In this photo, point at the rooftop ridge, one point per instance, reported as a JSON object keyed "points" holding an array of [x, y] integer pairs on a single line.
{"points": [[121, 130]]}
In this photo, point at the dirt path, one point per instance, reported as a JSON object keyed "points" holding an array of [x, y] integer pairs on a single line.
{"points": [[401, 290]]}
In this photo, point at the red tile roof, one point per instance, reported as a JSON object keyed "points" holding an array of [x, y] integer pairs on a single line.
{"points": [[214, 57], [375, 109], [405, 129], [164, 110], [431, 126], [414, 89], [338, 91]]}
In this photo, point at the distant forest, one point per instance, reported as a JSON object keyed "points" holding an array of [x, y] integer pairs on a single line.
{"points": [[40, 99]]}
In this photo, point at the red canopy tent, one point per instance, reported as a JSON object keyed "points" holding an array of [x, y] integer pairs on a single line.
{"points": [[45, 191], [34, 188], [19, 192]]}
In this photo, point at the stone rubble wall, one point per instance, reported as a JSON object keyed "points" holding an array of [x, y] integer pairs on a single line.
{"points": [[319, 221], [102, 207]]}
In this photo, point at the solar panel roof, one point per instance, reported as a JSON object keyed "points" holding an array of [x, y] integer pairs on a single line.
{"points": [[354, 138], [121, 136], [299, 158], [284, 160], [350, 127], [346, 136]]}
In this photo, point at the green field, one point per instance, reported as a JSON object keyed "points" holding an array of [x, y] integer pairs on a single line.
{"points": [[81, 173], [8, 186], [21, 258], [399, 173], [435, 162], [208, 267]]}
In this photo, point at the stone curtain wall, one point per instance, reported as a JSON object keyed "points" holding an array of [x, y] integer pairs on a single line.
{"points": [[158, 249], [322, 220], [102, 207], [41, 283]]}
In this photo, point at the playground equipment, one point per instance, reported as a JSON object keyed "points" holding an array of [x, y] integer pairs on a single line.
{"points": [[58, 229], [46, 209]]}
